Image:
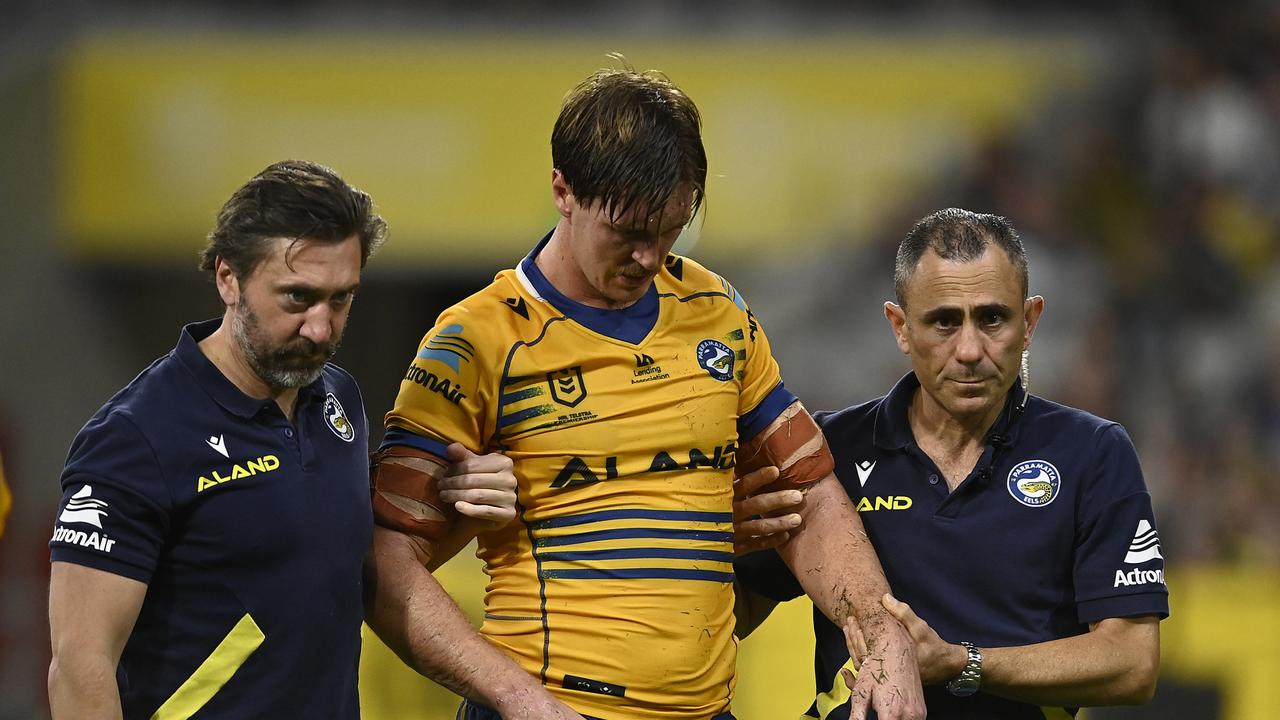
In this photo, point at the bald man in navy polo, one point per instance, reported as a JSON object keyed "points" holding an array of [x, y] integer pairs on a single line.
{"points": [[1017, 534]]}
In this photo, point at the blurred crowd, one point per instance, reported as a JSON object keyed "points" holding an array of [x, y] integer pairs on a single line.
{"points": [[1151, 212], [1163, 208], [1150, 206]]}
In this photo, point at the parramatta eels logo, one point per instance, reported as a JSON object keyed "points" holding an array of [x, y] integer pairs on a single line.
{"points": [[337, 419], [716, 358], [1034, 483]]}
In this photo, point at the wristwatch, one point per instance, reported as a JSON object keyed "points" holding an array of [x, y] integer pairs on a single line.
{"points": [[970, 678]]}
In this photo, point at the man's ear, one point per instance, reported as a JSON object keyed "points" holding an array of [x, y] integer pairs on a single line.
{"points": [[562, 194], [1031, 310], [227, 281], [897, 318]]}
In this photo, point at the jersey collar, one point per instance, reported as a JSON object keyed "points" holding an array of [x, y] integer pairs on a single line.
{"points": [[630, 324]]}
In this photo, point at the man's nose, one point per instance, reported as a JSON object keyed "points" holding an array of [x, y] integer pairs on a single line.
{"points": [[317, 323], [968, 348], [648, 254]]}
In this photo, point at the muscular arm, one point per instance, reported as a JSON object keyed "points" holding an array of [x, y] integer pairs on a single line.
{"points": [[833, 560], [416, 618], [91, 613], [1115, 663], [831, 556]]}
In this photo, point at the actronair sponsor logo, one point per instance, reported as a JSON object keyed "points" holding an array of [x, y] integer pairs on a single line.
{"points": [[84, 508], [1139, 577], [97, 541], [1144, 546]]}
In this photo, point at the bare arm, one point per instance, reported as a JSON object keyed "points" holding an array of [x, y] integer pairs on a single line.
{"points": [[91, 613], [417, 619], [833, 560], [1115, 663]]}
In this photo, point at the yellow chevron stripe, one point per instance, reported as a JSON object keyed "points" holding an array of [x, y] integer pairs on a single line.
{"points": [[1055, 713], [214, 672], [838, 694]]}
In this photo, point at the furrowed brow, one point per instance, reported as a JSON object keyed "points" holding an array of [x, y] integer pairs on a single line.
{"points": [[943, 313]]}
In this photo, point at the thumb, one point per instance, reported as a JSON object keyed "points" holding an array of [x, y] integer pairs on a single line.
{"points": [[457, 452], [896, 607], [849, 677]]}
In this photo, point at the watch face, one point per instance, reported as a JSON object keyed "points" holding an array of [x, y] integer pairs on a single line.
{"points": [[962, 688]]}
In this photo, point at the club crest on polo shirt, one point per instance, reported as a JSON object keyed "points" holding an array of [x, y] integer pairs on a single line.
{"points": [[1034, 483], [336, 419]]}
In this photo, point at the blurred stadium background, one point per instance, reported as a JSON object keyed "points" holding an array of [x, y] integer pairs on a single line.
{"points": [[1136, 147]]}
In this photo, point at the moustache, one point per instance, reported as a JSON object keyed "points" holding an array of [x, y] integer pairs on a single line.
{"points": [[305, 352], [635, 272]]}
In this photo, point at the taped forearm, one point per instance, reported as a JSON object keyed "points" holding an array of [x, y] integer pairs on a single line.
{"points": [[794, 444], [405, 494]]}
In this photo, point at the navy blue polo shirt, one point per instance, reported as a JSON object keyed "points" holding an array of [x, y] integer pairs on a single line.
{"points": [[250, 532], [1052, 530]]}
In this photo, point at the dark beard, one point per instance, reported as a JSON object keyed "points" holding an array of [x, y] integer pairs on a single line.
{"points": [[285, 367]]}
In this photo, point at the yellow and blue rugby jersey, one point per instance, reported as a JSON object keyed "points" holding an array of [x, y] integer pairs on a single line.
{"points": [[614, 583]]}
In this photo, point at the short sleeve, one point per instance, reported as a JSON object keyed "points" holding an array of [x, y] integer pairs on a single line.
{"points": [[1119, 565], [763, 395], [764, 573], [115, 507], [444, 395]]}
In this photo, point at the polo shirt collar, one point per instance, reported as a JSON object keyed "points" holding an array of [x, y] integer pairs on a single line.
{"points": [[893, 430], [213, 382]]}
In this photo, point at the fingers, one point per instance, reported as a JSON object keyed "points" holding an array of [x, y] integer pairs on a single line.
{"points": [[747, 545], [859, 700], [856, 642], [464, 462], [479, 486], [750, 535], [492, 480], [898, 609], [751, 482], [767, 526], [457, 452], [481, 496], [768, 503], [495, 514]]}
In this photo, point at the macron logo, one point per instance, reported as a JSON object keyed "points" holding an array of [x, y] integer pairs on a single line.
{"points": [[1144, 546], [217, 443], [84, 508], [864, 469]]}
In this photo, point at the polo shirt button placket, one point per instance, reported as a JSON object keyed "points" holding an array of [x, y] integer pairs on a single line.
{"points": [[292, 436], [933, 479]]}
